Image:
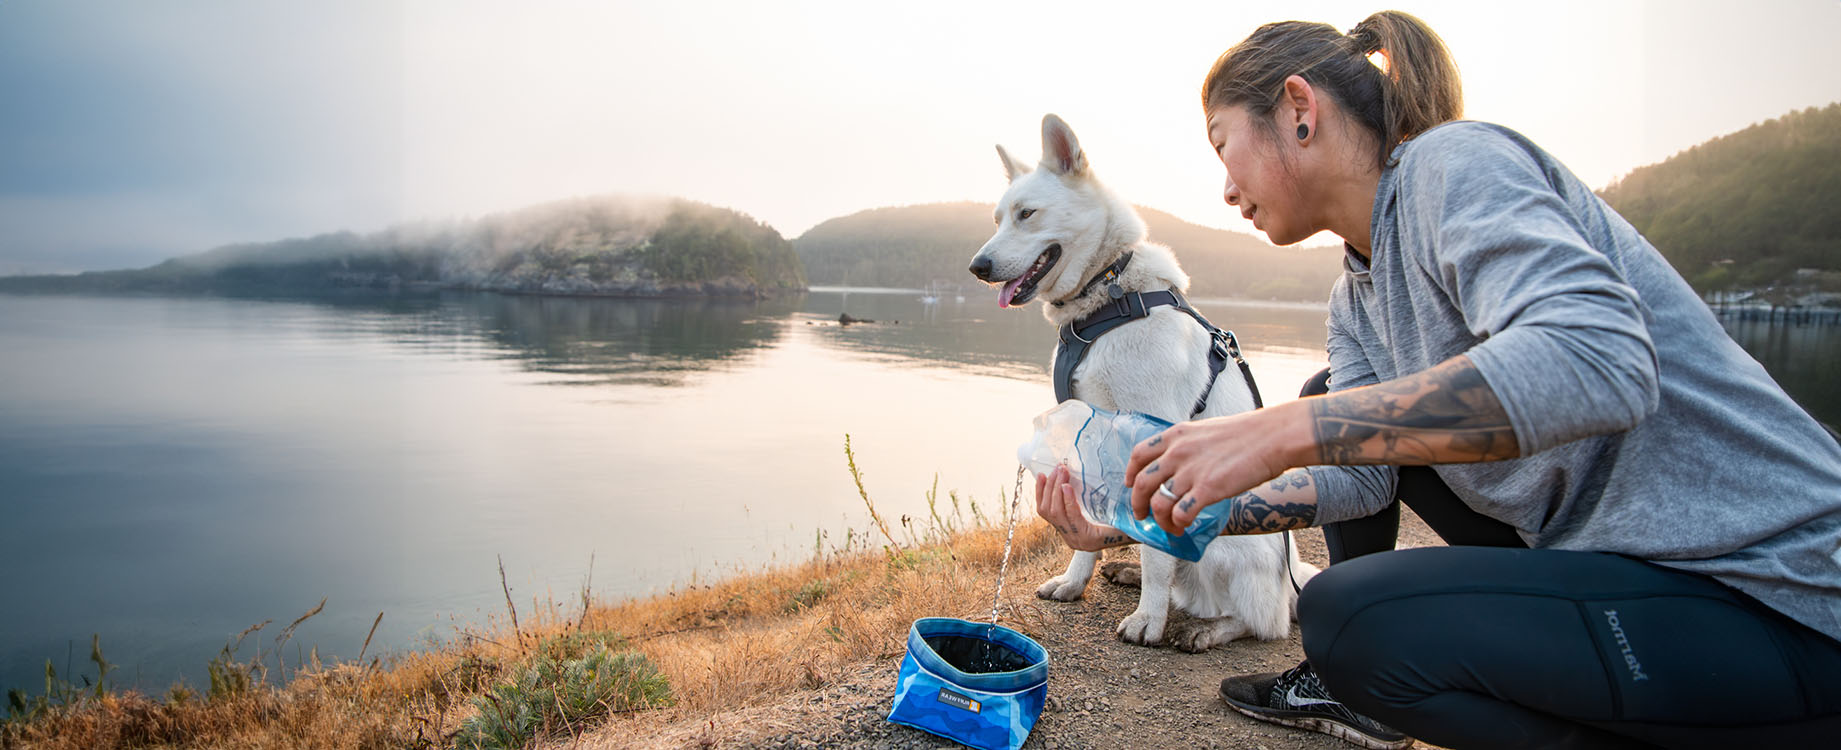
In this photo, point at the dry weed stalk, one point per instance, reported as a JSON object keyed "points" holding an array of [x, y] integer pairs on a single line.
{"points": [[850, 458]]}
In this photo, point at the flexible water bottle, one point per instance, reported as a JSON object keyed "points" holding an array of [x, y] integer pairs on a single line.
{"points": [[1095, 444]]}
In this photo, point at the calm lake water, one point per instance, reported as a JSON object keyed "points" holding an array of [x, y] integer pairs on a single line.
{"points": [[173, 470]]}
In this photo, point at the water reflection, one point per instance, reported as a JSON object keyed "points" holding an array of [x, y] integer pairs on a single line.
{"points": [[1020, 342], [1012, 343], [592, 340], [651, 342], [1802, 357], [659, 342]]}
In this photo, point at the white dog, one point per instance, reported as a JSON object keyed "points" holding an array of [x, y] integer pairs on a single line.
{"points": [[1060, 236]]}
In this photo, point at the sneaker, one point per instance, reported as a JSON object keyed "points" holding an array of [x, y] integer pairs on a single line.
{"points": [[1296, 698]]}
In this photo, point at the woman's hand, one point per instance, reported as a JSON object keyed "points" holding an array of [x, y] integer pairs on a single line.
{"points": [[1057, 504], [1445, 414], [1210, 460]]}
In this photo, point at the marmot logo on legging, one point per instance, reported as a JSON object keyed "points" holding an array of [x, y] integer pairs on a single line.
{"points": [[1617, 631]]}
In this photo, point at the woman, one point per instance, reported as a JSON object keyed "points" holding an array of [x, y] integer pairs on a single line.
{"points": [[1681, 581]]}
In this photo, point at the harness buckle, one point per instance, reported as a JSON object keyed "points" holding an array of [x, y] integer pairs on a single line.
{"points": [[1225, 345]]}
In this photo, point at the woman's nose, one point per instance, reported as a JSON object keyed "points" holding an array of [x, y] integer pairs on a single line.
{"points": [[1231, 192]]}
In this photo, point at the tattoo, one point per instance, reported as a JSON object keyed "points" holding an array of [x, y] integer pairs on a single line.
{"points": [[1290, 480], [1115, 539], [1152, 469], [1156, 440], [1252, 514], [1446, 414], [1187, 503]]}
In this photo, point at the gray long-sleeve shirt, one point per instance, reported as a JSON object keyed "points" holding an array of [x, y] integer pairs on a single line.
{"points": [[1644, 429]]}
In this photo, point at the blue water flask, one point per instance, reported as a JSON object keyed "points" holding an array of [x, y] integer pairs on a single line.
{"points": [[1095, 444]]}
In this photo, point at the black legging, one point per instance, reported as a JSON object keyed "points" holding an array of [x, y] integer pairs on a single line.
{"points": [[1478, 646]]}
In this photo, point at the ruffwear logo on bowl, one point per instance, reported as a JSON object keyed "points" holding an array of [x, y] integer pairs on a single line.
{"points": [[956, 700]]}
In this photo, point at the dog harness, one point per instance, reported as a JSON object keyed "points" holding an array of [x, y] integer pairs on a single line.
{"points": [[1126, 307]]}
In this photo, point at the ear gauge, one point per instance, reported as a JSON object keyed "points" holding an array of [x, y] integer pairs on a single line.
{"points": [[1303, 131]]}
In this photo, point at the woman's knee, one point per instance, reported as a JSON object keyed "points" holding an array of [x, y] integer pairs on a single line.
{"points": [[1335, 596]]}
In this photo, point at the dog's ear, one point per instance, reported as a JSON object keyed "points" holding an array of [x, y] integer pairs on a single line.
{"points": [[1012, 168], [1061, 152]]}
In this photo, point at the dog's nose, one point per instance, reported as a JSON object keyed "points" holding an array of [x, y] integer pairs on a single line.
{"points": [[981, 268]]}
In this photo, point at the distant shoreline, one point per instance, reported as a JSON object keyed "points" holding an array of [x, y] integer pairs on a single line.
{"points": [[1234, 301]]}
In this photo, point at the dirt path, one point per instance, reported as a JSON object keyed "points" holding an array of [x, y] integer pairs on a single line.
{"points": [[1102, 693]]}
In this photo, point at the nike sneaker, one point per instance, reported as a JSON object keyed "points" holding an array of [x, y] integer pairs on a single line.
{"points": [[1297, 698]]}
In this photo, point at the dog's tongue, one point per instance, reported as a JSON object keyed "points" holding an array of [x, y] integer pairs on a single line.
{"points": [[1008, 293]]}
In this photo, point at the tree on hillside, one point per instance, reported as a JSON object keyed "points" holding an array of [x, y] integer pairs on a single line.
{"points": [[700, 243], [1746, 209]]}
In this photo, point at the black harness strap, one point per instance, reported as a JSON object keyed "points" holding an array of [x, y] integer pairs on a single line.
{"points": [[1126, 307]]}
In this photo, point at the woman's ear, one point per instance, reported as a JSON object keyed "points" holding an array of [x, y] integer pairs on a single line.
{"points": [[1298, 109]]}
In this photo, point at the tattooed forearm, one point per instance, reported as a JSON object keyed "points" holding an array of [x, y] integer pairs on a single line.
{"points": [[1446, 414], [1254, 514], [1288, 502]]}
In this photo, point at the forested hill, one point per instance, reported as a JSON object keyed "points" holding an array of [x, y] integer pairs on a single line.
{"points": [[1745, 210], [603, 245], [919, 246]]}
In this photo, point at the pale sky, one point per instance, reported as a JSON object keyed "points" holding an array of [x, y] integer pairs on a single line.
{"points": [[138, 130]]}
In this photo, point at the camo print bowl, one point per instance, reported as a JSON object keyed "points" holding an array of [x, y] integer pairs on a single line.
{"points": [[971, 682]]}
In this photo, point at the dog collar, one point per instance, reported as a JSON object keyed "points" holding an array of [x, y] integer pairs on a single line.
{"points": [[1109, 275]]}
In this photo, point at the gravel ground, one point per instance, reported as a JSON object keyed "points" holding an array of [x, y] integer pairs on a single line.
{"points": [[1101, 692]]}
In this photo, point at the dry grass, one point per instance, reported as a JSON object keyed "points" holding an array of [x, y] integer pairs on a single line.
{"points": [[734, 643], [748, 640]]}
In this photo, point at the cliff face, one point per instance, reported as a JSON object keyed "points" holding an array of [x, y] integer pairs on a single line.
{"points": [[591, 246]]}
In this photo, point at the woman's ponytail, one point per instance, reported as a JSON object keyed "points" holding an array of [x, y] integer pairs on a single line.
{"points": [[1420, 86], [1391, 72]]}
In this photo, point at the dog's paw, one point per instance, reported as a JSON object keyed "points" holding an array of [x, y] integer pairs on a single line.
{"points": [[1195, 640], [1123, 572], [1062, 588], [1142, 628], [1198, 635]]}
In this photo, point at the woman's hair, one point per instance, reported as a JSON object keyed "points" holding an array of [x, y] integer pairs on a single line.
{"points": [[1413, 88]]}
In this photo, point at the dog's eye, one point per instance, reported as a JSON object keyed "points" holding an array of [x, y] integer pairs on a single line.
{"points": [[1022, 214]]}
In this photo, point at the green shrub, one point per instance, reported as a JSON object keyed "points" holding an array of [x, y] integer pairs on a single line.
{"points": [[23, 706], [810, 594], [551, 694]]}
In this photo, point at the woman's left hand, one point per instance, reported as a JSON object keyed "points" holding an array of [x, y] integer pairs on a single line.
{"points": [[1056, 503], [1209, 460]]}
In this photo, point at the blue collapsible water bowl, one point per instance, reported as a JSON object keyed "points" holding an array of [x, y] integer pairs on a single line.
{"points": [[971, 682]]}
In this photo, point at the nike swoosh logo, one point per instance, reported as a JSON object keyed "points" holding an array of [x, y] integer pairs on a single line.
{"points": [[1292, 697]]}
